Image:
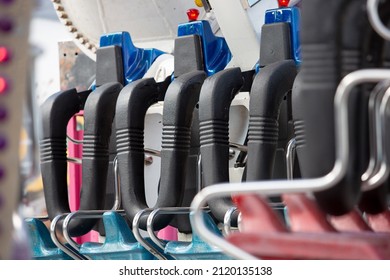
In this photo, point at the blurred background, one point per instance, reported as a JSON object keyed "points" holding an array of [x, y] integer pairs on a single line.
{"points": [[46, 32]]}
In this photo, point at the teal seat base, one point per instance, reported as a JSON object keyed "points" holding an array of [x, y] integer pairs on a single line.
{"points": [[42, 247]]}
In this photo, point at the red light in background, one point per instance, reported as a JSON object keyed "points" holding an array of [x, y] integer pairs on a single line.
{"points": [[193, 14], [235, 199], [283, 3], [5, 54], [3, 85]]}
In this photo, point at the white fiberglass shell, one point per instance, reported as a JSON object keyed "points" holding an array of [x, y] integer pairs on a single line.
{"points": [[151, 23]]}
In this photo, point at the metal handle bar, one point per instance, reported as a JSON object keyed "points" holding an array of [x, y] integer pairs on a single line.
{"points": [[373, 106], [161, 211], [53, 234], [376, 22], [140, 238], [92, 214], [374, 176], [227, 221], [118, 197], [382, 170], [153, 213], [239, 147], [290, 157], [74, 160], [75, 141]]}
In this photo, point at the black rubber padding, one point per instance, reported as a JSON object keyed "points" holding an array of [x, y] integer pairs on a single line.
{"points": [[269, 89], [110, 184], [189, 57], [330, 49], [56, 112], [215, 99], [180, 100], [99, 112], [277, 43], [109, 65], [132, 105], [192, 184], [188, 54], [109, 68]]}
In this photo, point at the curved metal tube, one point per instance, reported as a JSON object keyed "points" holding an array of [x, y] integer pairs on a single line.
{"points": [[93, 214], [290, 157], [383, 171], [56, 241], [376, 93], [118, 197], [149, 227], [376, 22], [152, 152], [199, 173], [159, 211], [302, 185], [74, 160], [227, 221], [140, 239], [78, 142], [239, 147], [239, 220], [81, 214]]}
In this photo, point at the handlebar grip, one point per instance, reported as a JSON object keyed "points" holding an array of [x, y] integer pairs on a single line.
{"points": [[216, 96], [56, 112], [133, 103], [99, 113], [269, 88], [179, 105], [313, 103]]}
